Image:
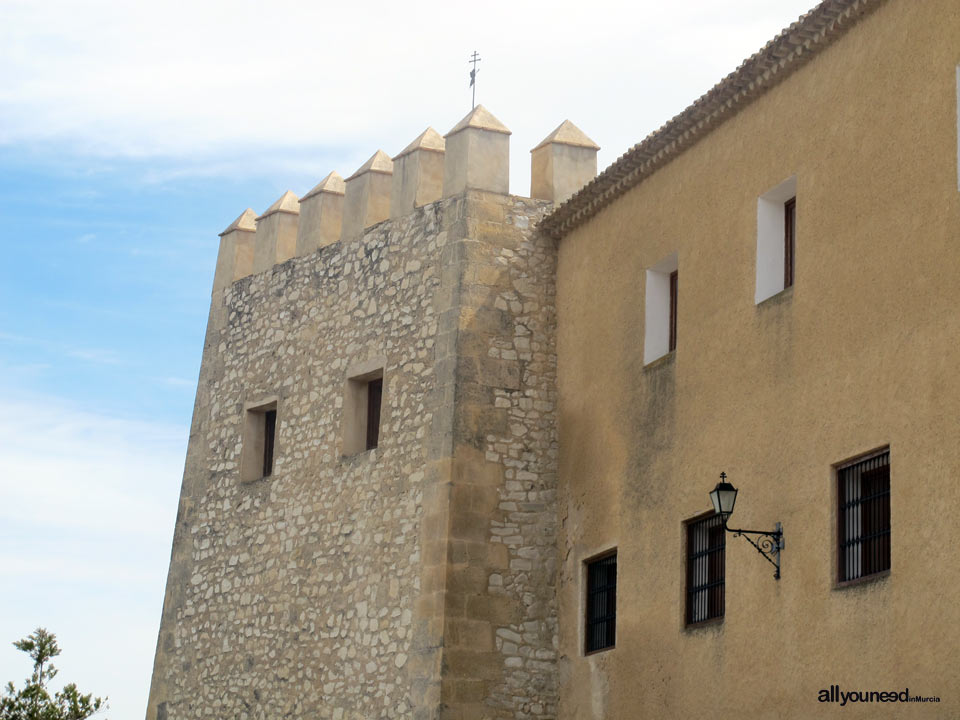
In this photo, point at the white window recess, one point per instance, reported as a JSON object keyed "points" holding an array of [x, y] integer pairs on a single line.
{"points": [[771, 239], [657, 316]]}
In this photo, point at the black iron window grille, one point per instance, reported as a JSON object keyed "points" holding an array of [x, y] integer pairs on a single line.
{"points": [[863, 517], [706, 569], [601, 620]]}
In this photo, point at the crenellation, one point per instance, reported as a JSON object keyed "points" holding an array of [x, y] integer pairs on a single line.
{"points": [[276, 236], [422, 173], [235, 258], [418, 173], [477, 155], [367, 195], [321, 215], [562, 163]]}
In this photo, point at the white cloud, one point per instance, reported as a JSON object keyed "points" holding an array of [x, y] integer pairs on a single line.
{"points": [[228, 86], [178, 382], [13, 338], [96, 356]]}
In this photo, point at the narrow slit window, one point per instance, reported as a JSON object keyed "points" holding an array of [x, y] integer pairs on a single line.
{"points": [[363, 409], [660, 309], [863, 518], [789, 239], [374, 397], [269, 436], [259, 441], [776, 239], [673, 311], [600, 628], [706, 569]]}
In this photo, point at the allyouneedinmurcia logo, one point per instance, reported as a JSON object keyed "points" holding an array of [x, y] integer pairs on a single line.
{"points": [[835, 695]]}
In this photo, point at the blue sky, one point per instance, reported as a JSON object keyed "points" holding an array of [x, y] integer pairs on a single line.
{"points": [[132, 133]]}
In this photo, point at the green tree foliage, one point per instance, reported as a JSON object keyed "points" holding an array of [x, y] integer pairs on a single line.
{"points": [[34, 701]]}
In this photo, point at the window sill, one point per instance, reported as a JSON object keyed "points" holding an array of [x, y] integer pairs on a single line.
{"points": [[360, 456], [865, 580], [777, 298], [594, 653], [714, 623], [662, 361]]}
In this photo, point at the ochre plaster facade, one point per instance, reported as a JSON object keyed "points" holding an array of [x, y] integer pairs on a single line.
{"points": [[862, 352]]}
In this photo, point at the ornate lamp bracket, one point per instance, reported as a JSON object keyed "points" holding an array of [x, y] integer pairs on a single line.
{"points": [[768, 544]]}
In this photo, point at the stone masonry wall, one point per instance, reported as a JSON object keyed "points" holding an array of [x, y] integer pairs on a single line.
{"points": [[501, 633], [415, 580], [299, 596]]}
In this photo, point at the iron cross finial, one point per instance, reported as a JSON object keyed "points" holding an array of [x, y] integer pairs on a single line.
{"points": [[723, 476], [474, 59]]}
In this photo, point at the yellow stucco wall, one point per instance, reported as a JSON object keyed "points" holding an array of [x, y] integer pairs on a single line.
{"points": [[863, 352]]}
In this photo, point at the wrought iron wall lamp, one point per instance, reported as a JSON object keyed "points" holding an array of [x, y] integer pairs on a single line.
{"points": [[768, 544]]}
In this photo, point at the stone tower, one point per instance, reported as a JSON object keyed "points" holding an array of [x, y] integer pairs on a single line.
{"points": [[367, 522]]}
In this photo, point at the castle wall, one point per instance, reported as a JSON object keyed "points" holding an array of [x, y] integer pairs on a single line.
{"points": [[500, 620], [296, 593], [412, 580]]}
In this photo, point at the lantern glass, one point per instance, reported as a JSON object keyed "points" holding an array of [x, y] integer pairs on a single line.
{"points": [[724, 497]]}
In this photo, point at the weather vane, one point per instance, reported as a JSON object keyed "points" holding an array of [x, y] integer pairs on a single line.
{"points": [[474, 59]]}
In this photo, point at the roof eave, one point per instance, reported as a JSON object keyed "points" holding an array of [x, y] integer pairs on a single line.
{"points": [[776, 61]]}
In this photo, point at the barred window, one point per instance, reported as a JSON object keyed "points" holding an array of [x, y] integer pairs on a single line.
{"points": [[706, 567], [863, 517], [601, 620]]}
